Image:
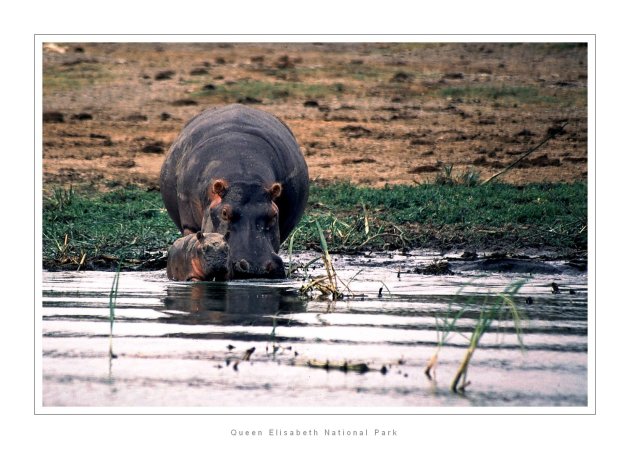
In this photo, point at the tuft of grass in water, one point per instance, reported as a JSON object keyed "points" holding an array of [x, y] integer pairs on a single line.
{"points": [[444, 326], [327, 285], [290, 268], [113, 295], [490, 313], [494, 309]]}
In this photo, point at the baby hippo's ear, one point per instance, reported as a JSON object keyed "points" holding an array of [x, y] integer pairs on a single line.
{"points": [[275, 190], [200, 236]]}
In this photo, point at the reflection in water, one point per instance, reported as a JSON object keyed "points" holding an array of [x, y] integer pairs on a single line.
{"points": [[174, 342], [223, 303]]}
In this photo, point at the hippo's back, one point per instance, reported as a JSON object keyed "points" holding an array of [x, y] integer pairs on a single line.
{"points": [[236, 143]]}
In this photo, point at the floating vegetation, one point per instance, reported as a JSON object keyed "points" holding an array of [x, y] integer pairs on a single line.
{"points": [[345, 366]]}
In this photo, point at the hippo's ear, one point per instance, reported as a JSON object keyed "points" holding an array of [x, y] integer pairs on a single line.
{"points": [[200, 236], [275, 190], [219, 187]]}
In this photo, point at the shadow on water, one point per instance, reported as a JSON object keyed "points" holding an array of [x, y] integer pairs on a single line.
{"points": [[231, 304]]}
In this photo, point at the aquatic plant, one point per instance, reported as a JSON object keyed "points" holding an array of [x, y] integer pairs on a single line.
{"points": [[327, 285], [493, 309], [290, 251], [444, 326], [496, 311], [113, 295]]}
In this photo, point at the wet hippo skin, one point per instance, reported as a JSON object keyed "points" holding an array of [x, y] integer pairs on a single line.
{"points": [[238, 172], [198, 257]]}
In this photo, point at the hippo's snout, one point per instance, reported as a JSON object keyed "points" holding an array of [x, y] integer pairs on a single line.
{"points": [[272, 268]]}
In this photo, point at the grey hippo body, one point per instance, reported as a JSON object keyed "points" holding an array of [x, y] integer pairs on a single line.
{"points": [[238, 172]]}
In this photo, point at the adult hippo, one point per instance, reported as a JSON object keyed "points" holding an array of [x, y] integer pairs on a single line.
{"points": [[238, 172]]}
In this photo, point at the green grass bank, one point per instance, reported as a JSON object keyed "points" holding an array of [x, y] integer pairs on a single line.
{"points": [[131, 226]]}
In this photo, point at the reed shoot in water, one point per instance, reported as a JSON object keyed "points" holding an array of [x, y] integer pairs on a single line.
{"points": [[113, 295], [494, 309], [503, 307]]}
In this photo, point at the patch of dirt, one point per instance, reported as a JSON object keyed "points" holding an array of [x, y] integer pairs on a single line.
{"points": [[111, 110]]}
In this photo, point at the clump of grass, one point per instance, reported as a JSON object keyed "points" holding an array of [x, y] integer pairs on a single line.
{"points": [[62, 198], [493, 309], [327, 285], [444, 326], [351, 231], [515, 95], [446, 177], [502, 306], [437, 267]]}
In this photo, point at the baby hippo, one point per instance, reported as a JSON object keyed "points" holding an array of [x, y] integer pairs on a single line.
{"points": [[198, 257]]}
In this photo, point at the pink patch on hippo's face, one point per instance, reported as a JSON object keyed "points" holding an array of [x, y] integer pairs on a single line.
{"points": [[215, 200]]}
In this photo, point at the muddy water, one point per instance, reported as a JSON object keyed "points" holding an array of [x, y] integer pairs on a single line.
{"points": [[186, 344]]}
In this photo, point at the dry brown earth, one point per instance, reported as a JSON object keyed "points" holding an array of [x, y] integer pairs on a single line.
{"points": [[367, 113]]}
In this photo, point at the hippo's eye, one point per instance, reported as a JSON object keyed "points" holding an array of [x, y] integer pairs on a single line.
{"points": [[226, 213], [270, 221], [272, 218]]}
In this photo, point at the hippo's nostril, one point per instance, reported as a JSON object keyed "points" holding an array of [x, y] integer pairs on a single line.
{"points": [[243, 265], [274, 267]]}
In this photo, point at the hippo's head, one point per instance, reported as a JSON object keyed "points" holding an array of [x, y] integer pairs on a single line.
{"points": [[211, 255], [247, 216]]}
